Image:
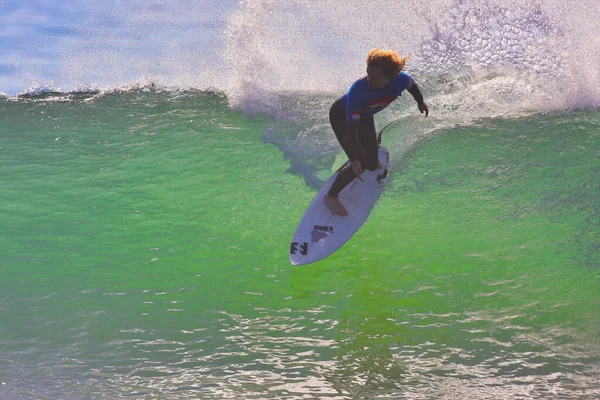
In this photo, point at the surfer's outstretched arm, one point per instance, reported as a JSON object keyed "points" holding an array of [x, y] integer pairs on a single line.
{"points": [[413, 89]]}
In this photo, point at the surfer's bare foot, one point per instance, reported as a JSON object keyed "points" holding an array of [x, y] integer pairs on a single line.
{"points": [[334, 204], [379, 165]]}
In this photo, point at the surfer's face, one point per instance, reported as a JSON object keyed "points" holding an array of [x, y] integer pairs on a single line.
{"points": [[377, 79]]}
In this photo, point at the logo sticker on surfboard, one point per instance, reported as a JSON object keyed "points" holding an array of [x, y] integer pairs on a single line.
{"points": [[320, 232], [303, 248]]}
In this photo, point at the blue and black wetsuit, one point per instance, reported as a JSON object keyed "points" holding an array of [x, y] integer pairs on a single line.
{"points": [[351, 118]]}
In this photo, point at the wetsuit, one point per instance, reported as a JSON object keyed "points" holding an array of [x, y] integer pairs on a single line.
{"points": [[351, 118]]}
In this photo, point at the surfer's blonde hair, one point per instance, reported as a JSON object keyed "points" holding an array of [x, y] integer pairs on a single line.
{"points": [[389, 60]]}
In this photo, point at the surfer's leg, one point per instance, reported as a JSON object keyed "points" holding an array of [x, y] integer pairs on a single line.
{"points": [[344, 177], [366, 129], [337, 117], [368, 140]]}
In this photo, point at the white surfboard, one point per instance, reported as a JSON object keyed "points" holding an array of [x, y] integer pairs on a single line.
{"points": [[321, 232]]}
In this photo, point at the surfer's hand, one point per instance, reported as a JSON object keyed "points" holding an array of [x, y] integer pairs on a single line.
{"points": [[423, 108], [356, 167]]}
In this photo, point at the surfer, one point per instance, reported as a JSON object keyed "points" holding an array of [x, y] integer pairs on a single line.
{"points": [[351, 117]]}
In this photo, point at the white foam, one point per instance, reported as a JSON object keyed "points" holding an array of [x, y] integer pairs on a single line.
{"points": [[260, 51], [321, 47], [38, 89]]}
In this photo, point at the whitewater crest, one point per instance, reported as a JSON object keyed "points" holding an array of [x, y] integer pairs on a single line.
{"points": [[260, 53], [492, 37], [508, 58]]}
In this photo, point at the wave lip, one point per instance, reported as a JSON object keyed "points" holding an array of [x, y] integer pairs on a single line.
{"points": [[260, 51], [40, 92]]}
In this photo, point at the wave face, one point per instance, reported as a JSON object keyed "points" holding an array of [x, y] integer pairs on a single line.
{"points": [[144, 254]]}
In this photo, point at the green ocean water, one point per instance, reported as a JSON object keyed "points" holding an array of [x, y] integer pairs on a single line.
{"points": [[143, 254]]}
